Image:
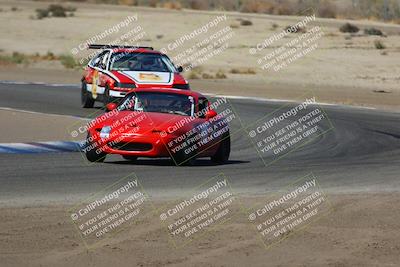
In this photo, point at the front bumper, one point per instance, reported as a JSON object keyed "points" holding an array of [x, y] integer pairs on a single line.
{"points": [[148, 145]]}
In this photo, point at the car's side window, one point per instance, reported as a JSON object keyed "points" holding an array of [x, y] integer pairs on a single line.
{"points": [[94, 61], [101, 60], [169, 63], [203, 106], [104, 59]]}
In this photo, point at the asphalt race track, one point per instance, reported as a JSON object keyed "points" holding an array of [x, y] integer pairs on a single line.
{"points": [[361, 153]]}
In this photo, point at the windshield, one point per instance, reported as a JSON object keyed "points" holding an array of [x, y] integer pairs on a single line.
{"points": [[159, 102], [123, 61]]}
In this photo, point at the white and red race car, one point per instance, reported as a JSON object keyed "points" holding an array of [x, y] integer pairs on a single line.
{"points": [[117, 70]]}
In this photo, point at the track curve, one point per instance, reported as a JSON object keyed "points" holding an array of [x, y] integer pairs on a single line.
{"points": [[361, 153]]}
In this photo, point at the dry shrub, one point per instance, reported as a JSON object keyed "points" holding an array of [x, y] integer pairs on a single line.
{"points": [[257, 6], [396, 21], [284, 7], [220, 75], [229, 5], [207, 76], [199, 4], [327, 10], [281, 7], [245, 22], [373, 31], [173, 5], [14, 58], [331, 34], [379, 45], [193, 75], [127, 2], [153, 3], [49, 56], [348, 27], [387, 10], [42, 13], [242, 71]]}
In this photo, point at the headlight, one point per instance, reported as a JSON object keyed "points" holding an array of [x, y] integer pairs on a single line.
{"points": [[105, 132]]}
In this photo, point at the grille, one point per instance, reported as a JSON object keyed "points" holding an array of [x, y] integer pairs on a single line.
{"points": [[125, 146], [125, 85]]}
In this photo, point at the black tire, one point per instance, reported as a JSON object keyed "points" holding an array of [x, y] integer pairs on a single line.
{"points": [[224, 150], [86, 99], [91, 154], [130, 158], [181, 159]]}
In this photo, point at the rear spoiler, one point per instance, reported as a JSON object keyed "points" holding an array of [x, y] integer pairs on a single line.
{"points": [[100, 46]]}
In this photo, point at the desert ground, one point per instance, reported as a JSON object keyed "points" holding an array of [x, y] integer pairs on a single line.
{"points": [[45, 236]]}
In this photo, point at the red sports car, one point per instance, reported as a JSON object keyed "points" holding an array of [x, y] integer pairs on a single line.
{"points": [[117, 70], [159, 122]]}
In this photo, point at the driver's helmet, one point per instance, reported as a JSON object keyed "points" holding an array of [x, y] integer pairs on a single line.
{"points": [[186, 106], [132, 62], [149, 61], [144, 104]]}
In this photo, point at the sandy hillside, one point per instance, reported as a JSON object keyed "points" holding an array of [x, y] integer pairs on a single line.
{"points": [[342, 69]]}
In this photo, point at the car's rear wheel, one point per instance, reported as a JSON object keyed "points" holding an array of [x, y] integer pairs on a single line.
{"points": [[130, 158], [224, 150], [86, 100], [93, 154]]}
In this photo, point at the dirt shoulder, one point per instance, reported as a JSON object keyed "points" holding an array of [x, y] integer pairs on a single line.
{"points": [[21, 126], [45, 236]]}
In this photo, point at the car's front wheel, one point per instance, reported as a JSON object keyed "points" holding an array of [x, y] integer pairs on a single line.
{"points": [[86, 100], [182, 159], [224, 150], [92, 152]]}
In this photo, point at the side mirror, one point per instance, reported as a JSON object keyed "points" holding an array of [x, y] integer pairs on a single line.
{"points": [[111, 106], [180, 69], [210, 114]]}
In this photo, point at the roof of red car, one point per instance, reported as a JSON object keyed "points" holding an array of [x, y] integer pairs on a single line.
{"points": [[169, 90]]}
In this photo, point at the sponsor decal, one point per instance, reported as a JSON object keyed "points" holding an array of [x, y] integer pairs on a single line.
{"points": [[149, 77], [142, 77]]}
